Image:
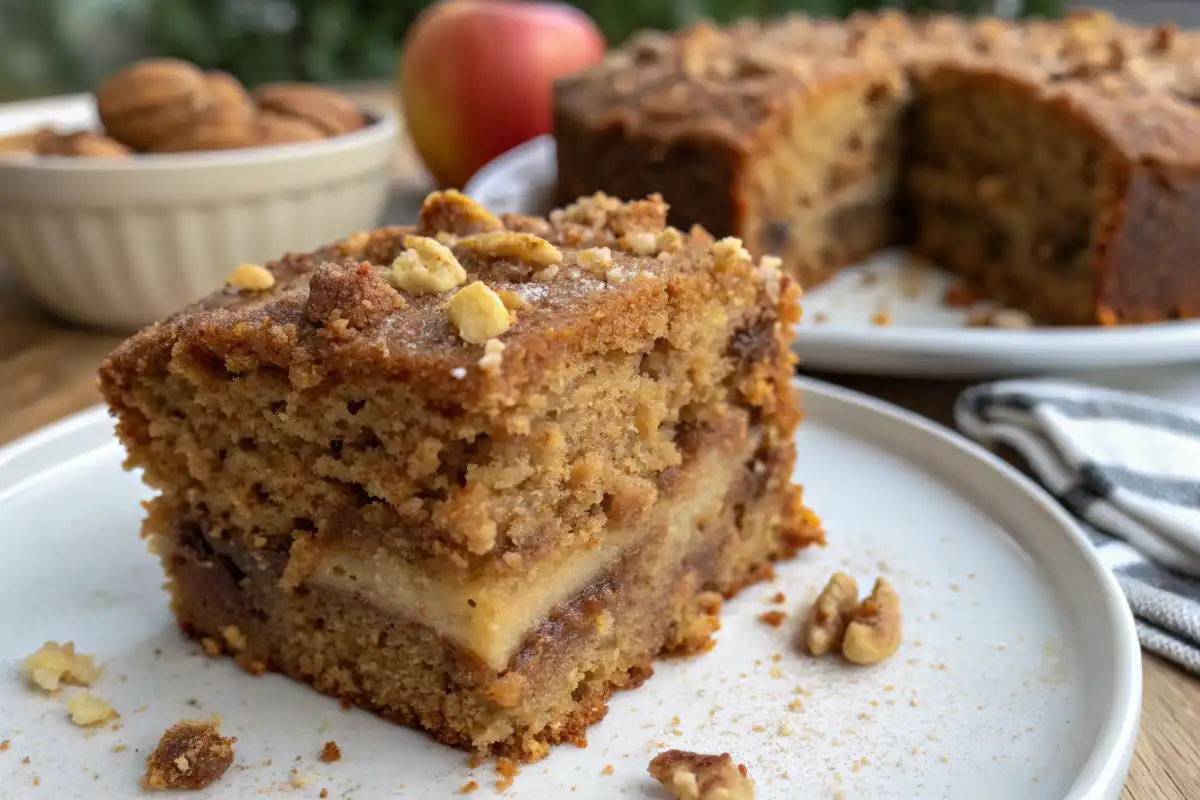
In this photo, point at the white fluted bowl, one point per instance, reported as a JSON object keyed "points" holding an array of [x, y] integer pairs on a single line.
{"points": [[120, 243]]}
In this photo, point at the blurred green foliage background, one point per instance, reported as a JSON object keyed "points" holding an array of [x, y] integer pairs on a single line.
{"points": [[52, 46]]}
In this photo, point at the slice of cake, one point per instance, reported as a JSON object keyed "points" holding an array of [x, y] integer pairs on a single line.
{"points": [[476, 473], [1053, 164]]}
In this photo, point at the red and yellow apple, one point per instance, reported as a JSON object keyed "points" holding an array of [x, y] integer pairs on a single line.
{"points": [[476, 77]]}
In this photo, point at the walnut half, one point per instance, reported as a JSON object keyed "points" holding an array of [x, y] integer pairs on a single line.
{"points": [[830, 614], [873, 634], [697, 776]]}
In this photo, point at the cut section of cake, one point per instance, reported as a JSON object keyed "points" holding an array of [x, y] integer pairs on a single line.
{"points": [[476, 473], [1052, 164]]}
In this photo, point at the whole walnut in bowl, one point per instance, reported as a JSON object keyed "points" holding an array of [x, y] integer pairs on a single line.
{"points": [[184, 175]]}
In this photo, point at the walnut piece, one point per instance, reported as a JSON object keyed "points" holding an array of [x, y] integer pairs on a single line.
{"points": [[86, 709], [596, 260], [226, 121], [478, 313], [251, 278], [830, 614], [271, 129], [328, 111], [696, 776], [523, 247], [190, 755], [150, 101], [874, 630], [427, 267], [729, 252], [54, 664], [453, 212], [82, 144]]}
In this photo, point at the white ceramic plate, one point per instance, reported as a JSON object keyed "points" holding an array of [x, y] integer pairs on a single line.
{"points": [[926, 338], [1019, 675]]}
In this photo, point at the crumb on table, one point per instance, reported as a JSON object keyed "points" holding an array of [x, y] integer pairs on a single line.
{"points": [[86, 709], [54, 664], [331, 752], [773, 618], [190, 755], [507, 770], [698, 776]]}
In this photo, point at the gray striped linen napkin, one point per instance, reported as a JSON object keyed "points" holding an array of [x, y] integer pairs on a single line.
{"points": [[1127, 467]]}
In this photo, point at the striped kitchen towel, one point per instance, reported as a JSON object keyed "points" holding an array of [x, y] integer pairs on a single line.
{"points": [[1127, 467]]}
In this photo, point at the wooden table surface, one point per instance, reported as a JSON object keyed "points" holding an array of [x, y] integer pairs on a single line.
{"points": [[47, 370]]}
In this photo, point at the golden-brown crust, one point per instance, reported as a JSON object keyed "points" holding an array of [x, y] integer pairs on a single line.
{"points": [[575, 312]]}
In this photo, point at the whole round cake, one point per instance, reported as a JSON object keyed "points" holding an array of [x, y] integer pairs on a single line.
{"points": [[1053, 164]]}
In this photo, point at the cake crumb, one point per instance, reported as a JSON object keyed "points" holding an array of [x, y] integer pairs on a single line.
{"points": [[331, 752], [324, 793], [773, 618], [608, 770], [506, 769], [468, 787], [880, 319], [298, 781], [778, 597], [493, 350], [233, 635], [87, 709], [54, 664], [697, 776], [190, 755], [4, 745]]}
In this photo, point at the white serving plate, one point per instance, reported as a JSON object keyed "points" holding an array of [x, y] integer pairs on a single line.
{"points": [[926, 338], [1019, 675]]}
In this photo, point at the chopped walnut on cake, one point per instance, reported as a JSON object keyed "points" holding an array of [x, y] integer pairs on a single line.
{"points": [[696, 776]]}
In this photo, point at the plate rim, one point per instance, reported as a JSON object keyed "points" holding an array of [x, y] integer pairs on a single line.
{"points": [[1104, 770], [990, 348]]}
